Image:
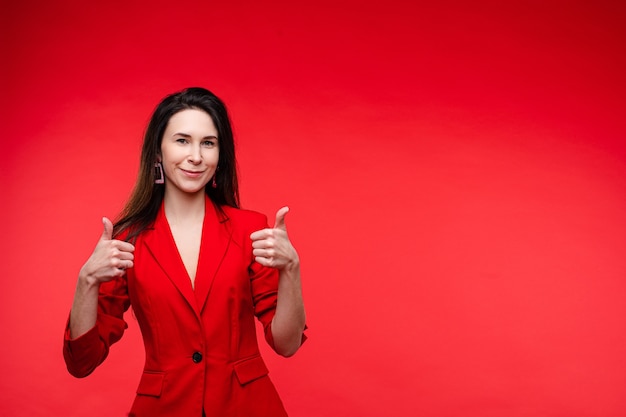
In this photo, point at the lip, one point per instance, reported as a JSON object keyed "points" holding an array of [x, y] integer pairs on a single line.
{"points": [[192, 174]]}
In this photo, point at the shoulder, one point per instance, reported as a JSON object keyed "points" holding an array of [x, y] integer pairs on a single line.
{"points": [[245, 218], [122, 235], [242, 223]]}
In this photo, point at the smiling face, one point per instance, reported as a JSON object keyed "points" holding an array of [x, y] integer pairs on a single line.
{"points": [[189, 152]]}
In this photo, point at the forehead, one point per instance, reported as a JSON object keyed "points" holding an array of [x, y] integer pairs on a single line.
{"points": [[191, 122]]}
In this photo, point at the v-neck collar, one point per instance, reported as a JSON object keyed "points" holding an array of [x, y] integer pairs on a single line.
{"points": [[216, 236]]}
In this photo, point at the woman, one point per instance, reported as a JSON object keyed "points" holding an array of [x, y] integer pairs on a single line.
{"points": [[196, 270]]}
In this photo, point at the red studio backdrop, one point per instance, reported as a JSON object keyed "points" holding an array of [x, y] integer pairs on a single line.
{"points": [[456, 173]]}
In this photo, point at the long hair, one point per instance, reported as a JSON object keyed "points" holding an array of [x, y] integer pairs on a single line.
{"points": [[146, 199]]}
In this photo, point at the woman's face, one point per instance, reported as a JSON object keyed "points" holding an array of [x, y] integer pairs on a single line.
{"points": [[189, 151]]}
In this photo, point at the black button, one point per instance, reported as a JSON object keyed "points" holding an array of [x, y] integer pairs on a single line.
{"points": [[196, 357]]}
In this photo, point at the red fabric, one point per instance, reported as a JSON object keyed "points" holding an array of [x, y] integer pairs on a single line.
{"points": [[216, 320]]}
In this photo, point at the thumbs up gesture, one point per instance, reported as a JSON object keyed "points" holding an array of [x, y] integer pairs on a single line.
{"points": [[272, 247], [110, 257]]}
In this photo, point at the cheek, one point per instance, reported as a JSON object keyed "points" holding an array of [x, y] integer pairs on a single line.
{"points": [[171, 156], [212, 157], [169, 162]]}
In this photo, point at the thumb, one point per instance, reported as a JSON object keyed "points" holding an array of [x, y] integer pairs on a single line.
{"points": [[280, 218], [107, 233]]}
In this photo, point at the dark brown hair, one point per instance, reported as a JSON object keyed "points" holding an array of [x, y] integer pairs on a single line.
{"points": [[146, 198]]}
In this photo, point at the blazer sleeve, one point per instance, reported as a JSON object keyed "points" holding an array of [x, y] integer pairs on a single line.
{"points": [[83, 354], [264, 284]]}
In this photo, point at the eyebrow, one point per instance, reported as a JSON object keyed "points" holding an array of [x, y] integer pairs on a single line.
{"points": [[185, 135]]}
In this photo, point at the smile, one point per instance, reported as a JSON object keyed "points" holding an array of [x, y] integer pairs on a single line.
{"points": [[193, 174]]}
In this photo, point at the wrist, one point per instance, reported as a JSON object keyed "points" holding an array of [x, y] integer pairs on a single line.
{"points": [[292, 268], [87, 281]]}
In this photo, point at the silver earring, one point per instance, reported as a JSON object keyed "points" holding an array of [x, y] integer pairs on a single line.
{"points": [[159, 177]]}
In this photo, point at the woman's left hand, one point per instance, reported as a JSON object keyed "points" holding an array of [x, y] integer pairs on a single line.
{"points": [[271, 247]]}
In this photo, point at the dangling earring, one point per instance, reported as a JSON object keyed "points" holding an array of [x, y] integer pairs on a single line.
{"points": [[214, 183], [159, 178]]}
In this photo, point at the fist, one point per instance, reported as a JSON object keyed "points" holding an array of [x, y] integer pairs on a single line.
{"points": [[110, 258], [271, 247]]}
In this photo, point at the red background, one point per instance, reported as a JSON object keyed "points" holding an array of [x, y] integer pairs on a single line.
{"points": [[456, 173]]}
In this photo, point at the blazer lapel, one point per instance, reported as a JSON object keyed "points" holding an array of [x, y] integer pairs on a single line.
{"points": [[160, 242], [216, 237]]}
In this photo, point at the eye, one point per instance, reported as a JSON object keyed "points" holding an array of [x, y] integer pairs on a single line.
{"points": [[181, 140], [209, 143]]}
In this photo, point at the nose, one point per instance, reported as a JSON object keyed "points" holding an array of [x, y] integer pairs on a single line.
{"points": [[195, 156]]}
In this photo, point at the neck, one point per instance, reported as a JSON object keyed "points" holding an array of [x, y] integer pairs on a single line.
{"points": [[182, 207]]}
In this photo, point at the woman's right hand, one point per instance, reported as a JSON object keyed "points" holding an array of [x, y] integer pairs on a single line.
{"points": [[110, 259]]}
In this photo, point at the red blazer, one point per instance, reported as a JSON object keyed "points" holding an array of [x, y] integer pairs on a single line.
{"points": [[201, 347]]}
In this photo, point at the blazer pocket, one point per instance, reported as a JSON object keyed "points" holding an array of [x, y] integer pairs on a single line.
{"points": [[151, 383], [247, 370]]}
